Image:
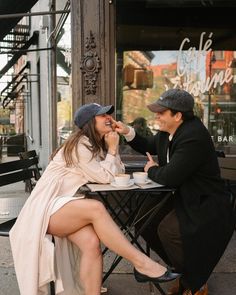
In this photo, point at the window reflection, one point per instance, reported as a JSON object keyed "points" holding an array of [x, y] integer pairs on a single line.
{"points": [[195, 51], [210, 76]]}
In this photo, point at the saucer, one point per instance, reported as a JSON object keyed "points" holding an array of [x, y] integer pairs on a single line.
{"points": [[146, 182], [131, 182]]}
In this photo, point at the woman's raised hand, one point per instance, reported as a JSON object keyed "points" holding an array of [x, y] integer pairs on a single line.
{"points": [[112, 141]]}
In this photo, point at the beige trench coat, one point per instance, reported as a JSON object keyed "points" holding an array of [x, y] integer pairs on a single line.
{"points": [[37, 261]]}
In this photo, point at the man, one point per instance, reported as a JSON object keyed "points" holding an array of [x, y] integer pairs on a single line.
{"points": [[194, 228]]}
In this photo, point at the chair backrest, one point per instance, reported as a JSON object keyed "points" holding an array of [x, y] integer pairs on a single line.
{"points": [[10, 173], [228, 168], [28, 154], [15, 171], [220, 153], [228, 173], [32, 155]]}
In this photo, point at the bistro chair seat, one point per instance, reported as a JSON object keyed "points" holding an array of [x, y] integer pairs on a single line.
{"points": [[228, 173]]}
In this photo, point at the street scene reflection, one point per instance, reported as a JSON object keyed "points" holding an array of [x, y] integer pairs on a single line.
{"points": [[208, 75]]}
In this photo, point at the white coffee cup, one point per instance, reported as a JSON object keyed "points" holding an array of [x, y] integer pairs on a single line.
{"points": [[140, 177], [122, 179]]}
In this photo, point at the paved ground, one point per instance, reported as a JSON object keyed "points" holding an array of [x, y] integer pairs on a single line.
{"points": [[221, 282]]}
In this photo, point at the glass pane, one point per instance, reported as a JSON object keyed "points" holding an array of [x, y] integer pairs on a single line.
{"points": [[153, 56], [64, 94]]}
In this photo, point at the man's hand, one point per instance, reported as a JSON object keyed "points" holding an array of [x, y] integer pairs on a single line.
{"points": [[119, 127], [150, 162]]}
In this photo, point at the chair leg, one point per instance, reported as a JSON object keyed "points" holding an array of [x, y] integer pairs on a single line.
{"points": [[162, 292], [151, 288], [151, 285], [52, 284], [52, 288]]}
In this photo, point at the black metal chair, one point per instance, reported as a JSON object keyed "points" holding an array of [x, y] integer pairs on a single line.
{"points": [[228, 173], [5, 227], [15, 144], [31, 155], [13, 172]]}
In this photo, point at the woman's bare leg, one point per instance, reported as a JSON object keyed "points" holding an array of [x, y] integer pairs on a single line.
{"points": [[79, 213], [91, 259]]}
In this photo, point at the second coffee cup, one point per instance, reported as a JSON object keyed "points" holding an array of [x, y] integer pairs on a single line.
{"points": [[140, 177]]}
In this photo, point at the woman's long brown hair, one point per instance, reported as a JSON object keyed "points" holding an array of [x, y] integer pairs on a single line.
{"points": [[71, 144]]}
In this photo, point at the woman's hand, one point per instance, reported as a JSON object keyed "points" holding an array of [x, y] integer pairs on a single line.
{"points": [[150, 162], [112, 142], [119, 127]]}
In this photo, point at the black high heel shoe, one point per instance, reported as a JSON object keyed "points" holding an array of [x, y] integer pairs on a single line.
{"points": [[166, 277]]}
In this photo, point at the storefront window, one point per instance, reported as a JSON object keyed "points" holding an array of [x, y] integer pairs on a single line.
{"points": [[153, 57], [64, 94]]}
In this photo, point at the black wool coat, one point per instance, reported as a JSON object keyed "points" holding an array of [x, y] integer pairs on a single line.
{"points": [[201, 201]]}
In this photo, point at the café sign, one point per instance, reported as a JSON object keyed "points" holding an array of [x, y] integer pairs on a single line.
{"points": [[189, 62]]}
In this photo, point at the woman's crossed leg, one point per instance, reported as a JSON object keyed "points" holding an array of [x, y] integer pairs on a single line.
{"points": [[88, 215]]}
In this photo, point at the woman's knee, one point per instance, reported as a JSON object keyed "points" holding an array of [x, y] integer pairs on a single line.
{"points": [[92, 243], [87, 240], [91, 246], [97, 208]]}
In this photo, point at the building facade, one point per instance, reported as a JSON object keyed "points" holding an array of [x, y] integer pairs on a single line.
{"points": [[127, 53]]}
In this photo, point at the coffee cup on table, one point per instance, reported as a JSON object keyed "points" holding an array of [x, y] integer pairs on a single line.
{"points": [[140, 177], [122, 179]]}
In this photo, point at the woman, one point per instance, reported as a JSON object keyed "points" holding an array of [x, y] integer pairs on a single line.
{"points": [[77, 224]]}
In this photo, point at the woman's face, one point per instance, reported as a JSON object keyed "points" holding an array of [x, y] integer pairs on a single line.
{"points": [[103, 124]]}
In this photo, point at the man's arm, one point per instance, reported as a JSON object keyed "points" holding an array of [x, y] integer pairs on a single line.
{"points": [[137, 142]]}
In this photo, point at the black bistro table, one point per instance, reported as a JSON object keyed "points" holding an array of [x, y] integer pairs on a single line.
{"points": [[125, 205]]}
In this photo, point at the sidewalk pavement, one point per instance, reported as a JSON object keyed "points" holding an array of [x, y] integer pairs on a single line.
{"points": [[121, 282]]}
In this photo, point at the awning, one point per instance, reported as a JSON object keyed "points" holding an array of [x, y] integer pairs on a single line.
{"points": [[12, 7]]}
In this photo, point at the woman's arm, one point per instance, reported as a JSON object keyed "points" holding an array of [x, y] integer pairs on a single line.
{"points": [[97, 169]]}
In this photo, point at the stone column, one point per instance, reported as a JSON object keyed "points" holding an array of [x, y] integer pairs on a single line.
{"points": [[93, 53]]}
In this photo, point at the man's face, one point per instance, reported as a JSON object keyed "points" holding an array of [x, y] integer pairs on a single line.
{"points": [[168, 122]]}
